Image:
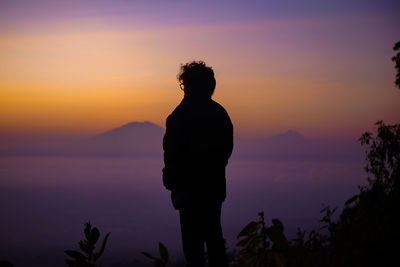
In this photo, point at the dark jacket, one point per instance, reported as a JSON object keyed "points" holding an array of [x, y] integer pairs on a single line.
{"points": [[197, 144]]}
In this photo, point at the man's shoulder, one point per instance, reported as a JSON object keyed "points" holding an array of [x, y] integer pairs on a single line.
{"points": [[218, 105], [179, 110], [178, 113], [219, 109]]}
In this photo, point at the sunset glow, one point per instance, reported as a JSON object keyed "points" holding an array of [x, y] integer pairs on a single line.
{"points": [[82, 68]]}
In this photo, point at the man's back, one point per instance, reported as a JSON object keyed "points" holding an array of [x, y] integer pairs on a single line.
{"points": [[197, 144]]}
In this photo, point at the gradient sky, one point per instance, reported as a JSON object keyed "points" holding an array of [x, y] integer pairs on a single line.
{"points": [[322, 68]]}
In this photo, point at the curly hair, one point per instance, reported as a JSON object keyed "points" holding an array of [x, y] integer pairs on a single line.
{"points": [[197, 78]]}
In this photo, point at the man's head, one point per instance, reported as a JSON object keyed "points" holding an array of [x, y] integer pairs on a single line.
{"points": [[197, 79]]}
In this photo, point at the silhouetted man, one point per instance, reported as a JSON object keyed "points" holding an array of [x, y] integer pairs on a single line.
{"points": [[197, 145]]}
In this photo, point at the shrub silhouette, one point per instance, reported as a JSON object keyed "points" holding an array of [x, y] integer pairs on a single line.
{"points": [[162, 260], [366, 234], [261, 246], [255, 246], [4, 263], [88, 258], [396, 60]]}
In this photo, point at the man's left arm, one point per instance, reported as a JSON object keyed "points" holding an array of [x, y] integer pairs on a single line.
{"points": [[170, 146]]}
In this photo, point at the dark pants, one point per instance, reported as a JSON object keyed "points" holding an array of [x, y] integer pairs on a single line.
{"points": [[203, 225]]}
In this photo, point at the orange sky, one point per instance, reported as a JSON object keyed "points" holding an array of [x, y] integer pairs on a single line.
{"points": [[322, 76]]}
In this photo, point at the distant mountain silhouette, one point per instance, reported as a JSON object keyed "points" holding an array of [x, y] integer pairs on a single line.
{"points": [[131, 132], [139, 139], [131, 139], [292, 145]]}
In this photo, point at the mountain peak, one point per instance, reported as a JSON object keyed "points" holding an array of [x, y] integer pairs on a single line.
{"points": [[134, 126], [133, 138], [292, 133], [145, 129], [139, 123], [288, 136]]}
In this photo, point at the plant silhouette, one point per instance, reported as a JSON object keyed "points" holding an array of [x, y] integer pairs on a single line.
{"points": [[159, 261], [367, 233], [4, 263], [87, 258], [396, 60], [255, 246]]}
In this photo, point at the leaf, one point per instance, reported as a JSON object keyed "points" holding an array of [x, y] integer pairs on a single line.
{"points": [[396, 46], [253, 241], [277, 237], [75, 254], [244, 241], [88, 229], [351, 200], [94, 236], [103, 245], [163, 252], [83, 245], [248, 229], [250, 241], [148, 255]]}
